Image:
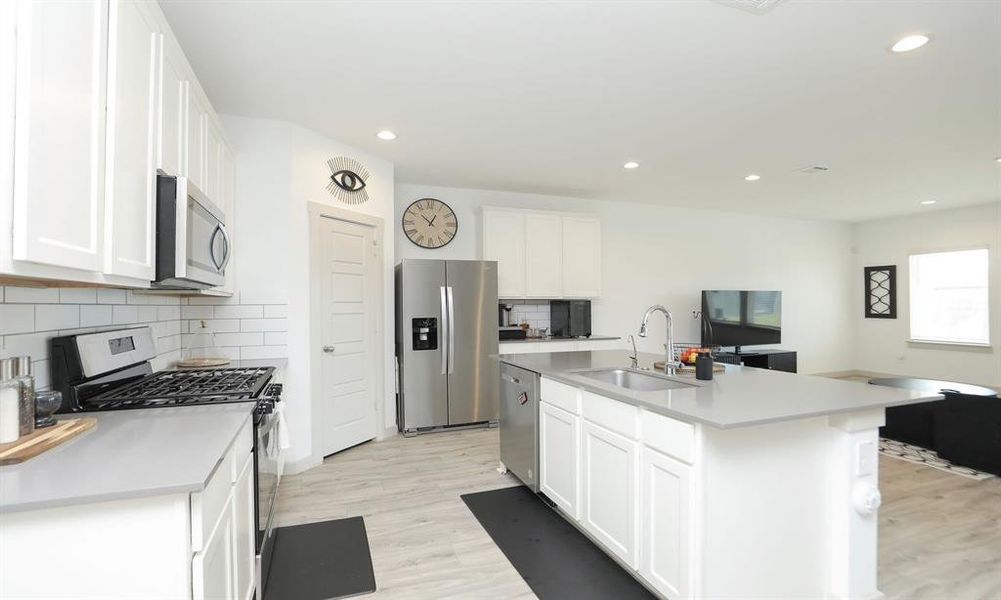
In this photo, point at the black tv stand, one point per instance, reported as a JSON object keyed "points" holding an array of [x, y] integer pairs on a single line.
{"points": [[773, 358]]}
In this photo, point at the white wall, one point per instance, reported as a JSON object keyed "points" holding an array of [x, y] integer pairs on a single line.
{"points": [[667, 255], [279, 169], [881, 344]]}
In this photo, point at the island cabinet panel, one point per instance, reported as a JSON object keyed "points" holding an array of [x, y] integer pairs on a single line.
{"points": [[611, 414], [666, 514], [609, 492], [559, 465], [212, 568], [561, 395], [670, 436]]}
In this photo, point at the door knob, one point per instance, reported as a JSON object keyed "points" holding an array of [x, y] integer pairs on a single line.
{"points": [[328, 349]]}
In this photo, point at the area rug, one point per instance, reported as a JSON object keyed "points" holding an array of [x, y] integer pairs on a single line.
{"points": [[924, 456], [317, 561], [555, 560]]}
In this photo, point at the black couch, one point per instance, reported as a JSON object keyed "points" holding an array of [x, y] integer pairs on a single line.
{"points": [[964, 428]]}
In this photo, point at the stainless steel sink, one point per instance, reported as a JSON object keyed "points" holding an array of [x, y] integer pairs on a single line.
{"points": [[634, 380]]}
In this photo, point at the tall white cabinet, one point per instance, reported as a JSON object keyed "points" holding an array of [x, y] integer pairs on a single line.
{"points": [[543, 254], [59, 150]]}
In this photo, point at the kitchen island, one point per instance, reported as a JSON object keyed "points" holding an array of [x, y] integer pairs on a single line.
{"points": [[754, 484]]}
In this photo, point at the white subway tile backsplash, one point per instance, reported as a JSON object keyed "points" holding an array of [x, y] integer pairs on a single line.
{"points": [[78, 295], [239, 339], [279, 311], [216, 325], [35, 345], [256, 352], [56, 316], [94, 315], [213, 300], [110, 296], [17, 318], [239, 312], [168, 313], [147, 314], [40, 369], [124, 314], [275, 338], [197, 312], [264, 325], [30, 295]]}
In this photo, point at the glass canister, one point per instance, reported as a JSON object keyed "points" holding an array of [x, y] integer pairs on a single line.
{"points": [[22, 372], [10, 394]]}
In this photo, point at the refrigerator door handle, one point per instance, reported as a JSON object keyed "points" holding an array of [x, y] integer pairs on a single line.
{"points": [[451, 331], [445, 328]]}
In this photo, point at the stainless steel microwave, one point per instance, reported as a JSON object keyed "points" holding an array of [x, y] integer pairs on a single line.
{"points": [[192, 244]]}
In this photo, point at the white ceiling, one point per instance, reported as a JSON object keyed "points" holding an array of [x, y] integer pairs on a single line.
{"points": [[553, 97]]}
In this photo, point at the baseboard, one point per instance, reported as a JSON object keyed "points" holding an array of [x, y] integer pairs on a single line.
{"points": [[386, 433], [303, 464]]}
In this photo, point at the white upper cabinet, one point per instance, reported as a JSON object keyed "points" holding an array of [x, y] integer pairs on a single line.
{"points": [[173, 107], [7, 68], [213, 162], [543, 254], [581, 257], [59, 146], [132, 140], [504, 242], [228, 199], [195, 144]]}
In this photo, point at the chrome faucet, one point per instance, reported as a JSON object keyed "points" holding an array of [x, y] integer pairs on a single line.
{"points": [[669, 364], [635, 356]]}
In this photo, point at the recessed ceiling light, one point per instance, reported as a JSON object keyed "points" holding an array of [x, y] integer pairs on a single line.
{"points": [[911, 42], [928, 202], [386, 134], [998, 159], [752, 177], [631, 165]]}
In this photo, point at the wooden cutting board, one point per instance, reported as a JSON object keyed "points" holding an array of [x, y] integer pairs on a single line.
{"points": [[41, 440]]}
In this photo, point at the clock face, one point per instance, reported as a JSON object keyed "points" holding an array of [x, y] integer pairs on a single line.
{"points": [[429, 223]]}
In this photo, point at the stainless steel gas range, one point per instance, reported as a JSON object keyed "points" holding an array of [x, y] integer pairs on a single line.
{"points": [[111, 370]]}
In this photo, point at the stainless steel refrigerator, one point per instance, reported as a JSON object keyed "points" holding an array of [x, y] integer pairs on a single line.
{"points": [[446, 343]]}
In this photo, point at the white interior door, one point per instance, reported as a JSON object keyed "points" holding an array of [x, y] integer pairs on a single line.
{"points": [[350, 302]]}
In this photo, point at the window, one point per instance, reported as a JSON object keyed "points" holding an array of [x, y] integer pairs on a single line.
{"points": [[949, 301]]}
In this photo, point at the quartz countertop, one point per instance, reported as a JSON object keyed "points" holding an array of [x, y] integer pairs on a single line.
{"points": [[738, 397], [593, 338], [128, 454]]}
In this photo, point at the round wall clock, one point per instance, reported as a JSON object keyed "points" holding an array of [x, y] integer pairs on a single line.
{"points": [[430, 223]]}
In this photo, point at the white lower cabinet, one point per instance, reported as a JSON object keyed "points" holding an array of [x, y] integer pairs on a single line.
{"points": [[609, 491], [244, 531], [665, 522], [212, 568], [559, 432]]}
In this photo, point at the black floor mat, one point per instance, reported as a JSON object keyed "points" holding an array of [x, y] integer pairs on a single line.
{"points": [[555, 559], [317, 561]]}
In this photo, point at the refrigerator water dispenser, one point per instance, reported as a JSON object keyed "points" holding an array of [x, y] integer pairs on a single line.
{"points": [[425, 333]]}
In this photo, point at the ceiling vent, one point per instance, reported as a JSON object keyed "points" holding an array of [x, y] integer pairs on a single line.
{"points": [[813, 169], [758, 7]]}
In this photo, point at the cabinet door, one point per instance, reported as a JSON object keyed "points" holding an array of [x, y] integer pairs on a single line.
{"points": [[173, 108], [212, 568], [581, 257], [228, 194], [609, 491], [558, 457], [665, 506], [504, 242], [244, 530], [213, 162], [59, 138], [132, 139], [543, 256], [197, 121]]}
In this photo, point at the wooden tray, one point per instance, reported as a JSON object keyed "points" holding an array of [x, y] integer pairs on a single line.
{"points": [[689, 369], [41, 440], [198, 363]]}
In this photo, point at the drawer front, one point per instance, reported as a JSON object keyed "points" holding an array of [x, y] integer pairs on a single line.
{"points": [[560, 395], [672, 437], [611, 414], [243, 445]]}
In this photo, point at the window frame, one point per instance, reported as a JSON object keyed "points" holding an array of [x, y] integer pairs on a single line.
{"points": [[911, 296]]}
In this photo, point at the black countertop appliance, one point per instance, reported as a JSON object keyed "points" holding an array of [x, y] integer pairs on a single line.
{"points": [[570, 318]]}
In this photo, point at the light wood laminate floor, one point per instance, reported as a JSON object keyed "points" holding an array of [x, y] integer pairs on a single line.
{"points": [[940, 534]]}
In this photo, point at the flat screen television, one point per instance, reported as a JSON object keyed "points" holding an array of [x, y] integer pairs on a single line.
{"points": [[741, 317]]}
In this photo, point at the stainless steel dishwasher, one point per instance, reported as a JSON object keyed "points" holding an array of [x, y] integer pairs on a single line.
{"points": [[519, 424]]}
